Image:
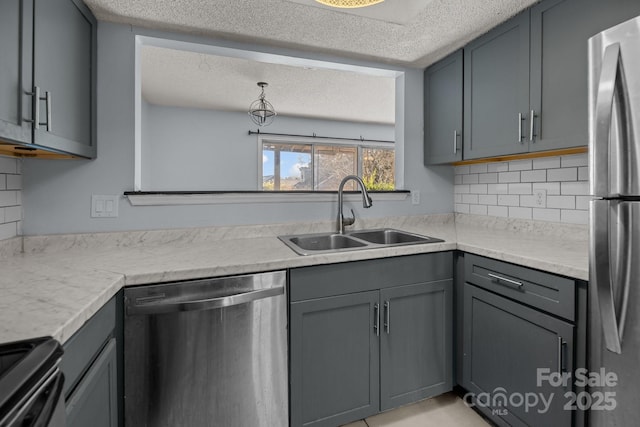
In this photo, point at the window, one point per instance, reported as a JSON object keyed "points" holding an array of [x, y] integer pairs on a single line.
{"points": [[302, 166]]}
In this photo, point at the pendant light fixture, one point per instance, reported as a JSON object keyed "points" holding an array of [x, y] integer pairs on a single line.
{"points": [[261, 111], [349, 4]]}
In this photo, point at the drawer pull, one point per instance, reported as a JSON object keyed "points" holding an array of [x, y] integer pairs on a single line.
{"points": [[504, 279]]}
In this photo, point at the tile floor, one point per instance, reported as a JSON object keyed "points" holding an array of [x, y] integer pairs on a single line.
{"points": [[447, 410]]}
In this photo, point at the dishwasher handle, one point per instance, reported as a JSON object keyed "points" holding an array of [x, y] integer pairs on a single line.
{"points": [[158, 306]]}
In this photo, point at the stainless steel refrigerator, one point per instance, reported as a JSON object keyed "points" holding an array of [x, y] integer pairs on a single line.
{"points": [[614, 256]]}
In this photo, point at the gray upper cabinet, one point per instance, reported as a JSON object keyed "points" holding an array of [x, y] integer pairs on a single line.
{"points": [[496, 90], [12, 30], [443, 110], [559, 33], [48, 82]]}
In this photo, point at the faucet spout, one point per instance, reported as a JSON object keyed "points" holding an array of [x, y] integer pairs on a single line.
{"points": [[366, 202]]}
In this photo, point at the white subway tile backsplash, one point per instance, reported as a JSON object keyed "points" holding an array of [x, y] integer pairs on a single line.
{"points": [[478, 168], [583, 173], [14, 182], [13, 214], [470, 198], [461, 189], [582, 202], [497, 188], [564, 174], [561, 202], [578, 188], [520, 165], [520, 188], [508, 177], [522, 213], [477, 209], [462, 170], [8, 165], [488, 199], [498, 167], [488, 178], [501, 211], [539, 175], [10, 197], [507, 189], [470, 179], [550, 187], [478, 188], [574, 216], [546, 163], [461, 208], [546, 214], [508, 200], [574, 160]]}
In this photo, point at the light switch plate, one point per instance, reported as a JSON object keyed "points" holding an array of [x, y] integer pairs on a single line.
{"points": [[415, 197], [104, 206]]}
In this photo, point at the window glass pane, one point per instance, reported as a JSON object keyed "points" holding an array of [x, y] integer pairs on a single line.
{"points": [[286, 167], [332, 163], [378, 168]]}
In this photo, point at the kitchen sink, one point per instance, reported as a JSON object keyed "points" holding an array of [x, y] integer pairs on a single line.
{"points": [[326, 242], [309, 244]]}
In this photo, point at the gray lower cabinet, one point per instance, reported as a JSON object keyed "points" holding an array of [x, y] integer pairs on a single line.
{"points": [[520, 334], [90, 366], [369, 336], [48, 77], [443, 110]]}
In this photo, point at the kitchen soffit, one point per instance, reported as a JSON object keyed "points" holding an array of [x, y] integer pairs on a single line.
{"points": [[429, 31]]}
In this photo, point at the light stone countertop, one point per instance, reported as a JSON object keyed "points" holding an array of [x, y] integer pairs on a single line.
{"points": [[59, 282]]}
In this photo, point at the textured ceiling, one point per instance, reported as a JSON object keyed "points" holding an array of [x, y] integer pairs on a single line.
{"points": [[196, 80], [428, 33]]}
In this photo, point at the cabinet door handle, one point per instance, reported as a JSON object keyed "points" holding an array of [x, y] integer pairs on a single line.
{"points": [[387, 316], [47, 98], [520, 120], [561, 344], [376, 319], [504, 279], [455, 142], [532, 121]]}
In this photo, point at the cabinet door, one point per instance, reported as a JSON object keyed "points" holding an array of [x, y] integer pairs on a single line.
{"points": [[15, 31], [496, 90], [94, 401], [334, 359], [416, 344], [65, 68], [560, 30], [443, 111], [505, 344]]}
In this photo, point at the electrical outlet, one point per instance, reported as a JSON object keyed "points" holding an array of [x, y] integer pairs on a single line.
{"points": [[104, 206], [415, 197], [540, 198]]}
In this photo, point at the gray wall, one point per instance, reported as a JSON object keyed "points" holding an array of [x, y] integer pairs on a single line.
{"points": [[57, 194], [196, 149]]}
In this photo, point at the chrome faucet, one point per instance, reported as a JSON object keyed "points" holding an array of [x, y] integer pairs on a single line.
{"points": [[366, 202]]}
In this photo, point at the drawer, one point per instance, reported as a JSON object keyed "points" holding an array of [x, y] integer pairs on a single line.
{"points": [[545, 291], [85, 345], [360, 276]]}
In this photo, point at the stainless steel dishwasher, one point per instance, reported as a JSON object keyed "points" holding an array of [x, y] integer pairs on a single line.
{"points": [[207, 353]]}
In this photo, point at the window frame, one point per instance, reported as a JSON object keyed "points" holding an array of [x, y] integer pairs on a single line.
{"points": [[293, 140]]}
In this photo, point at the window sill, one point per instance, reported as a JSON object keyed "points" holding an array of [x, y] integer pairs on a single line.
{"points": [[170, 198]]}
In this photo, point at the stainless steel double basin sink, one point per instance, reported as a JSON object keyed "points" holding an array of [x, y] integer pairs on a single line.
{"points": [[310, 244]]}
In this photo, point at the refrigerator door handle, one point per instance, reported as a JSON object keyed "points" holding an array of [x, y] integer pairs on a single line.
{"points": [[600, 273], [611, 82]]}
